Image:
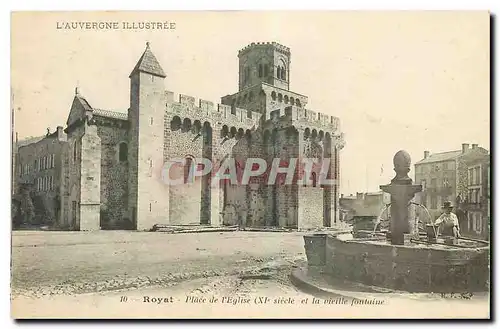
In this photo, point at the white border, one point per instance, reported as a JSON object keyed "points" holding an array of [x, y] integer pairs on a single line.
{"points": [[29, 5]]}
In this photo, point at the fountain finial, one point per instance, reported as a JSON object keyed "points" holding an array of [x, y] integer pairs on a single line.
{"points": [[402, 163]]}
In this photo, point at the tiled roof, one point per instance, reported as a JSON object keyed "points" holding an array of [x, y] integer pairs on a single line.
{"points": [[149, 64], [438, 157], [111, 114]]}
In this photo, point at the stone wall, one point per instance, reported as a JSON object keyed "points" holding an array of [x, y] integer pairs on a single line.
{"points": [[148, 115], [90, 179], [72, 178], [114, 188], [408, 268], [310, 212]]}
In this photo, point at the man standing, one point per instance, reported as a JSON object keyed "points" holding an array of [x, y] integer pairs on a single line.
{"points": [[448, 221]]}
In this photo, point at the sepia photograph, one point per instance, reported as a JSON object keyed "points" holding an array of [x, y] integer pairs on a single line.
{"points": [[250, 165]]}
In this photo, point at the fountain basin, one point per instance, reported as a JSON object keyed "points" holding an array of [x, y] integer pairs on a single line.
{"points": [[416, 266]]}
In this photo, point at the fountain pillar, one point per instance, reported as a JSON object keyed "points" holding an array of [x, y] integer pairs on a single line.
{"points": [[402, 191]]}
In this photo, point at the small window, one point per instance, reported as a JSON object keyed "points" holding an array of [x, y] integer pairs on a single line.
{"points": [[314, 179], [249, 114], [151, 121], [122, 152], [75, 150]]}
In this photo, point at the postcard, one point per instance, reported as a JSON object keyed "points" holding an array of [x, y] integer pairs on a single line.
{"points": [[250, 164]]}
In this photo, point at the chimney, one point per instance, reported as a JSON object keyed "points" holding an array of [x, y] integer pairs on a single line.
{"points": [[426, 154], [60, 132], [465, 147], [474, 146]]}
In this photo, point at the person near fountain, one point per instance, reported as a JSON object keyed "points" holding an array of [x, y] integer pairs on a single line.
{"points": [[448, 221]]}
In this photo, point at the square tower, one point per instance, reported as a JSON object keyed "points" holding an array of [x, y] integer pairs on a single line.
{"points": [[267, 62]]}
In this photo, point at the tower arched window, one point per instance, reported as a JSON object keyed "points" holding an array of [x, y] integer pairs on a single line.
{"points": [[283, 73], [266, 70], [261, 70], [278, 72], [122, 152]]}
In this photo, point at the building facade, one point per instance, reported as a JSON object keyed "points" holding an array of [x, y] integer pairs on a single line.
{"points": [[364, 204], [38, 168], [112, 164], [445, 177], [476, 204]]}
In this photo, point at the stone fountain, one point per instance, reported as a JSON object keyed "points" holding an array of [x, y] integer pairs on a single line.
{"points": [[402, 191], [402, 259]]}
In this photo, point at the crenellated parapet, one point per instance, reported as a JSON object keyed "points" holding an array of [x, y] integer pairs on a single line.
{"points": [[305, 118], [186, 106], [275, 45]]}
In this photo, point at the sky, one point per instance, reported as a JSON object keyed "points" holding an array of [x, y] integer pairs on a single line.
{"points": [[397, 80]]}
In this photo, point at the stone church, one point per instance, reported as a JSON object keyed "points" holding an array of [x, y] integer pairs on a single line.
{"points": [[108, 166]]}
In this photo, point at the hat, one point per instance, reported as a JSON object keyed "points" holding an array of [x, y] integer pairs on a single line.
{"points": [[447, 204]]}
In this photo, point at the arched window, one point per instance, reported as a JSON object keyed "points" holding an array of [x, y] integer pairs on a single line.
{"points": [[278, 72], [273, 95], [283, 73], [261, 71], [314, 179], [176, 123], [266, 70], [122, 152]]}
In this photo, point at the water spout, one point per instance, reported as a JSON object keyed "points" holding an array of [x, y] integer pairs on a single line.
{"points": [[379, 218], [428, 216]]}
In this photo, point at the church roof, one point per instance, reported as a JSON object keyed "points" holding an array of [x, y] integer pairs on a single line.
{"points": [[111, 114], [83, 101], [148, 64]]}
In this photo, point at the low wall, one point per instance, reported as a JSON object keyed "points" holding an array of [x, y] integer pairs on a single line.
{"points": [[415, 268]]}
